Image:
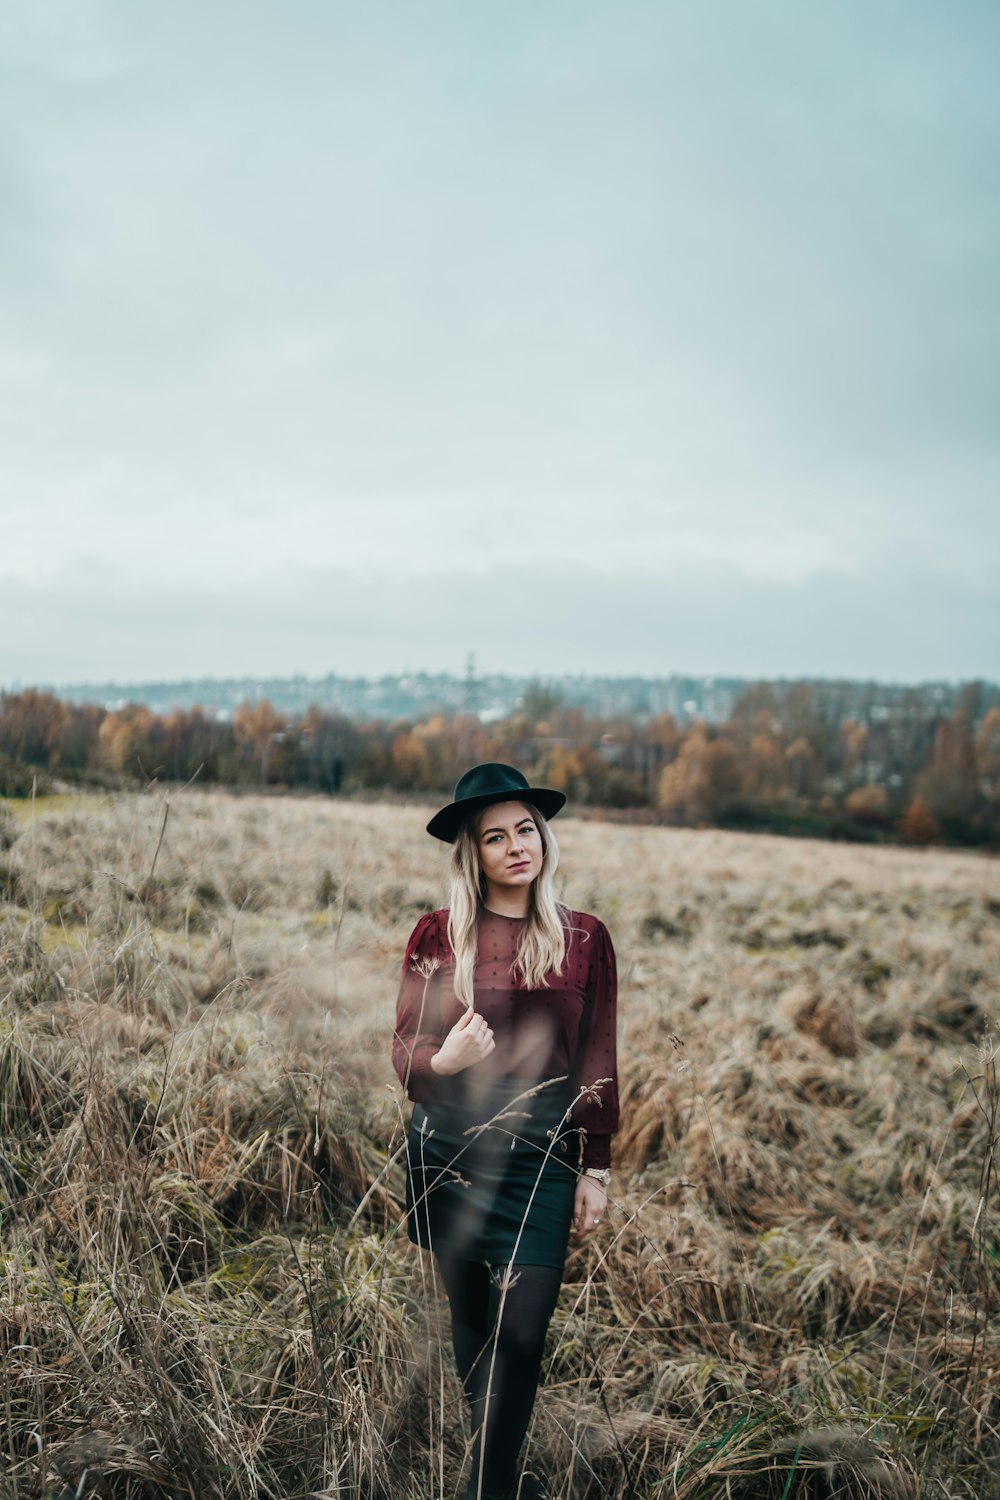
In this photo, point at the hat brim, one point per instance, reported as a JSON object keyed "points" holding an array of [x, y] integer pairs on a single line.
{"points": [[445, 824]]}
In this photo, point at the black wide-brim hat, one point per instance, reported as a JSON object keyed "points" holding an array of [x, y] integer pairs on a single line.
{"points": [[492, 782]]}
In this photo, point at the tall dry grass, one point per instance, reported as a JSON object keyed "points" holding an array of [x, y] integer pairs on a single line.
{"points": [[207, 1287]]}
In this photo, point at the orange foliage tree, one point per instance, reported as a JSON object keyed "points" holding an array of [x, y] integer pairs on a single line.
{"points": [[577, 770], [868, 804], [130, 739], [950, 783], [918, 823], [986, 750], [33, 726], [704, 782], [803, 770], [259, 730], [853, 744], [765, 771], [411, 762]]}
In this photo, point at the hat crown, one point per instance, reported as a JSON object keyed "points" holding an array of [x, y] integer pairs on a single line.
{"points": [[490, 780]]}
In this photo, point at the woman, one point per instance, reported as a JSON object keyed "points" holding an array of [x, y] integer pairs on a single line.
{"points": [[505, 1041]]}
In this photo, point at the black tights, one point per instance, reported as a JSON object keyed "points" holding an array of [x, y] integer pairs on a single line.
{"points": [[499, 1322]]}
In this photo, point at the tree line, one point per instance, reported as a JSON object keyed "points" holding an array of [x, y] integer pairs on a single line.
{"points": [[781, 761]]}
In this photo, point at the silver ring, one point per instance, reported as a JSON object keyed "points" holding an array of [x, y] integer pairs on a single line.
{"points": [[597, 1221]]}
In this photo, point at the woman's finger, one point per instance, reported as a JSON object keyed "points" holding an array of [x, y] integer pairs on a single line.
{"points": [[589, 1207]]}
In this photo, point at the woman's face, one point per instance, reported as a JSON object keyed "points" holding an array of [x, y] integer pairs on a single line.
{"points": [[510, 846]]}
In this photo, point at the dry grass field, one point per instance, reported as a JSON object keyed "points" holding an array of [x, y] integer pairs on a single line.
{"points": [[206, 1291]]}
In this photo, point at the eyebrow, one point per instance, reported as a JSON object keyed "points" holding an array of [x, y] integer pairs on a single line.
{"points": [[526, 819]]}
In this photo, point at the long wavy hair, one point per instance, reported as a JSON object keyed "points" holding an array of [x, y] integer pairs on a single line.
{"points": [[542, 949]]}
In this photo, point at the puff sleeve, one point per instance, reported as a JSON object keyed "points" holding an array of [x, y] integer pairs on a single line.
{"points": [[597, 1054], [426, 1007]]}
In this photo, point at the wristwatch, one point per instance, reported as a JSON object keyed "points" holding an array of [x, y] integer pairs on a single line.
{"points": [[599, 1174]]}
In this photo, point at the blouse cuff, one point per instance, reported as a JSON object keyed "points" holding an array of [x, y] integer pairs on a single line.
{"points": [[416, 1073], [597, 1151]]}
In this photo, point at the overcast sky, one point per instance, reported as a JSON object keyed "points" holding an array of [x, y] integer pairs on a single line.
{"points": [[619, 336]]}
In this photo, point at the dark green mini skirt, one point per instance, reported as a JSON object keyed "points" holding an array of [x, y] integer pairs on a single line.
{"points": [[492, 1170]]}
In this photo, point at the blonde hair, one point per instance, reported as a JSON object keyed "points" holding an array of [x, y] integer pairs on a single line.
{"points": [[542, 949]]}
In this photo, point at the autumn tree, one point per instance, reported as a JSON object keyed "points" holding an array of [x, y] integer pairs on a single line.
{"points": [[986, 751], [703, 783], [329, 744], [905, 739], [33, 726], [194, 744], [951, 783], [853, 745], [661, 742], [441, 739], [868, 804], [577, 770], [765, 771], [79, 739], [756, 711], [918, 823], [803, 770], [375, 766], [128, 741], [514, 739], [802, 720], [411, 762], [257, 730]]}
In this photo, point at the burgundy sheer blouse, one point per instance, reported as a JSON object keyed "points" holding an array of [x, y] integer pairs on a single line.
{"points": [[564, 1030]]}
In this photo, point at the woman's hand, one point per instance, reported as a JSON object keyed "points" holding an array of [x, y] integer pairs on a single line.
{"points": [[589, 1207], [468, 1042]]}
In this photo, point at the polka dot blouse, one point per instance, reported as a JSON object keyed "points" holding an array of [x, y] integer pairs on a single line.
{"points": [[565, 1029]]}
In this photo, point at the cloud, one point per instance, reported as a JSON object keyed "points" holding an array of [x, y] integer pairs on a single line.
{"points": [[98, 625], [442, 292]]}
